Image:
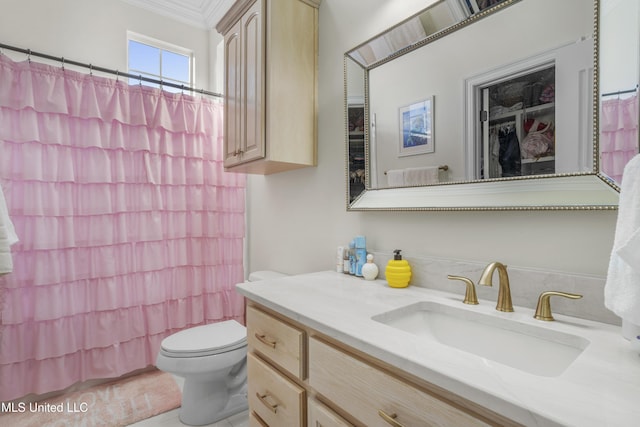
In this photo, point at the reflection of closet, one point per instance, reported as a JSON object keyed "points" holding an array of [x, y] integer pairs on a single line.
{"points": [[518, 118], [356, 150]]}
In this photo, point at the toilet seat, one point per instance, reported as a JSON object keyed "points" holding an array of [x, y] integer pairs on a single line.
{"points": [[205, 340]]}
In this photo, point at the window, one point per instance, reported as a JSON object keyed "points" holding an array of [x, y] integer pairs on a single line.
{"points": [[160, 61]]}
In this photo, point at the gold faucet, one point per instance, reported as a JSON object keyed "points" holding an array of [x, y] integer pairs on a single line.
{"points": [[543, 309], [470, 296], [504, 292]]}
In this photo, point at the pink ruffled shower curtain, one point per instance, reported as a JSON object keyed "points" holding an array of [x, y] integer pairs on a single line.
{"points": [[618, 135], [129, 228]]}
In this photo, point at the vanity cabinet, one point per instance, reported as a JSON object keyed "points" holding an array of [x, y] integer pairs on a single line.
{"points": [[374, 397], [299, 377], [275, 368], [270, 53]]}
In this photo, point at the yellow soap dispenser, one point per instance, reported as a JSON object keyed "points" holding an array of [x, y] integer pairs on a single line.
{"points": [[398, 271]]}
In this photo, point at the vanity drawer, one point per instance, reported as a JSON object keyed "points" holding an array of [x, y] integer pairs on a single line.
{"points": [[369, 394], [321, 416], [276, 400], [280, 342]]}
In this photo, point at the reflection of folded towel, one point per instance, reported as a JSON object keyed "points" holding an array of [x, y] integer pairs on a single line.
{"points": [[7, 237], [421, 176], [395, 178], [622, 289]]}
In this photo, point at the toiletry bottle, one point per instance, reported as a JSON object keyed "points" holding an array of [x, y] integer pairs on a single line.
{"points": [[370, 270], [361, 254], [352, 257], [345, 261], [398, 271], [339, 259]]}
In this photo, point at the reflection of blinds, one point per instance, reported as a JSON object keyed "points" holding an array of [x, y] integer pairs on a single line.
{"points": [[406, 34], [400, 37]]}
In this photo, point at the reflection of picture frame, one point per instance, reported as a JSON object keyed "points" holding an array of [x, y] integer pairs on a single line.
{"points": [[416, 128]]}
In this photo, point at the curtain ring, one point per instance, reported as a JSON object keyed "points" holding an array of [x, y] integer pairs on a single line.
{"points": [[29, 55], [140, 79], [117, 75], [182, 89], [62, 60], [91, 69]]}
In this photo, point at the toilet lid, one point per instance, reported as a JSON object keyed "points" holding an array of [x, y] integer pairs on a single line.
{"points": [[206, 339]]}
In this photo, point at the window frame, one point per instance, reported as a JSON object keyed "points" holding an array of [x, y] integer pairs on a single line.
{"points": [[166, 47]]}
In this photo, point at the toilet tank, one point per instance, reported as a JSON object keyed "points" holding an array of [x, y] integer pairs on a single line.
{"points": [[256, 276]]}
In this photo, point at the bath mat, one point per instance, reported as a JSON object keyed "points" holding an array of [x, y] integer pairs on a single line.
{"points": [[113, 404]]}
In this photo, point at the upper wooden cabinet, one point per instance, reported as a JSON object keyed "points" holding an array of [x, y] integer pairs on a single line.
{"points": [[270, 49]]}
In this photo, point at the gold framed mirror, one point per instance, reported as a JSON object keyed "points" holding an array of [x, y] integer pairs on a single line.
{"points": [[408, 63]]}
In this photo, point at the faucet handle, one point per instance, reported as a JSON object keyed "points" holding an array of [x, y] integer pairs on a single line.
{"points": [[470, 296], [543, 309]]}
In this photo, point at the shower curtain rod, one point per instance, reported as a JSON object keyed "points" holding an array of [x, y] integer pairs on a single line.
{"points": [[620, 92], [92, 67]]}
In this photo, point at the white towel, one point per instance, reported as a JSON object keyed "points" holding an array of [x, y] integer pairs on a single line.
{"points": [[395, 178], [421, 176], [7, 237], [622, 289]]}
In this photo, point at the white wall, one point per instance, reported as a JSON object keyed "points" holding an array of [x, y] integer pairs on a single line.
{"points": [[95, 31], [620, 58], [298, 218]]}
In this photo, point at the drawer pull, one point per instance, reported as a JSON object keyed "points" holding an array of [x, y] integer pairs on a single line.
{"points": [[272, 407], [391, 419], [265, 341]]}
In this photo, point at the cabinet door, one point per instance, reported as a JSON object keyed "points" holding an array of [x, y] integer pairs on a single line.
{"points": [[253, 48], [244, 88], [233, 95]]}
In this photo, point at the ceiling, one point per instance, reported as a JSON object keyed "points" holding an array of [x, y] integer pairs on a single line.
{"points": [[198, 13]]}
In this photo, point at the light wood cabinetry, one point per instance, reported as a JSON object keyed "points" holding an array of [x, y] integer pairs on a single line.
{"points": [[273, 398], [270, 85], [276, 369], [279, 342], [321, 416], [374, 397], [299, 377]]}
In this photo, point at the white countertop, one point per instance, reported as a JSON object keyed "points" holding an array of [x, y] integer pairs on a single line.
{"points": [[600, 388]]}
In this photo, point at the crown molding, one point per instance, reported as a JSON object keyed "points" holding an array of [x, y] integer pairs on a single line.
{"points": [[203, 14]]}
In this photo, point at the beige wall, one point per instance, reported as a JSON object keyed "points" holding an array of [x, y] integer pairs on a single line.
{"points": [[297, 219]]}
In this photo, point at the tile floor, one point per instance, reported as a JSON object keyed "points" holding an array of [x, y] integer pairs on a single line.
{"points": [[170, 418]]}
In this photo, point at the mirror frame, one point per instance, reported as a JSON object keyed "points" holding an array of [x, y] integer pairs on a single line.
{"points": [[571, 191]]}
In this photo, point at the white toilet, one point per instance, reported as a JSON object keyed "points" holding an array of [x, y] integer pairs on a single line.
{"points": [[212, 360]]}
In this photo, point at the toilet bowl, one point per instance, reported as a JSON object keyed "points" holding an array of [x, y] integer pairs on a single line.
{"points": [[212, 360]]}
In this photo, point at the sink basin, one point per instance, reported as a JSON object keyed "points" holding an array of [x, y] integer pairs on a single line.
{"points": [[529, 348]]}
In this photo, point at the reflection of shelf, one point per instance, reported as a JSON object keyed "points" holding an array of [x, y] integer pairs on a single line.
{"points": [[529, 110], [356, 133], [539, 159]]}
